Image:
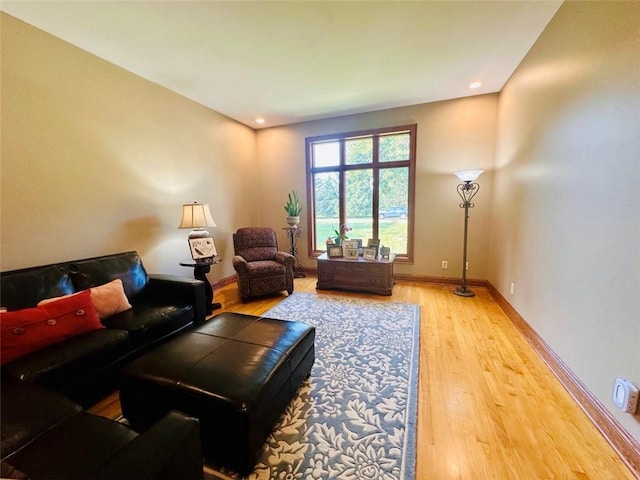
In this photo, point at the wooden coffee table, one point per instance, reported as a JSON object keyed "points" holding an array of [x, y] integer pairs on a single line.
{"points": [[361, 275]]}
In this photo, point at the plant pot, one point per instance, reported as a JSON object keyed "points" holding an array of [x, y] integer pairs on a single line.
{"points": [[293, 221]]}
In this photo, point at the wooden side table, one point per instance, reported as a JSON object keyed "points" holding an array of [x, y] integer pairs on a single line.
{"points": [[356, 274], [293, 234], [200, 269]]}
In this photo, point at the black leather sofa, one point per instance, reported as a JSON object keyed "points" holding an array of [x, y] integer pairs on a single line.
{"points": [[85, 367], [45, 436]]}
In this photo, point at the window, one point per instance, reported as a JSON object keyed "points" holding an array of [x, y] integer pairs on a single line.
{"points": [[365, 180]]}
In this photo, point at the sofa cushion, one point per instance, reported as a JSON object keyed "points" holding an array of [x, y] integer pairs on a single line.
{"points": [[93, 272], [72, 361], [73, 449], [27, 410], [148, 322], [30, 329], [25, 288]]}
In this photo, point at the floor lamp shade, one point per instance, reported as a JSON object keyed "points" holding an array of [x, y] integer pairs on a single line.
{"points": [[468, 175], [196, 216]]}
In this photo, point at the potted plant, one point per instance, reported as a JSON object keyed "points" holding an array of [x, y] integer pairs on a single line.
{"points": [[341, 234], [293, 209]]}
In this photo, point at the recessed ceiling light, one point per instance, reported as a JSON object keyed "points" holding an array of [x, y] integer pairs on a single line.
{"points": [[260, 120], [475, 85]]}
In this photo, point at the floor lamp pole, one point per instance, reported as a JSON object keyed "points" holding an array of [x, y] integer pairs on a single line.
{"points": [[467, 190], [464, 290]]}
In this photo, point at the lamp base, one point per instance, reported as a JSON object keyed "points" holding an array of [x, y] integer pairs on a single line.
{"points": [[464, 291], [199, 233]]}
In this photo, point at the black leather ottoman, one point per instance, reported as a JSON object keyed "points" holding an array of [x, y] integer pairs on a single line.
{"points": [[237, 373]]}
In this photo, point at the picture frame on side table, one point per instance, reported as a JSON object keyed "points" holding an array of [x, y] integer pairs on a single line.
{"points": [[358, 245], [334, 251], [370, 253], [374, 243], [202, 247], [349, 244], [351, 253]]}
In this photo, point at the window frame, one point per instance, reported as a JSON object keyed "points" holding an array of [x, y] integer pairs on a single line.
{"points": [[376, 166]]}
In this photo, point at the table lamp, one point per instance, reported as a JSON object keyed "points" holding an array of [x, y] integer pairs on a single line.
{"points": [[196, 216]]}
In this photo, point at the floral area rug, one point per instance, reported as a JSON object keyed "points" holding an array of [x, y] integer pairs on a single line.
{"points": [[355, 416]]}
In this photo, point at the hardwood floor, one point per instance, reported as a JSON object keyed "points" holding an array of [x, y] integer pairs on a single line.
{"points": [[489, 408]]}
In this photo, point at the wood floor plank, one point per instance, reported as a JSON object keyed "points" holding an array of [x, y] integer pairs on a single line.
{"points": [[489, 407]]}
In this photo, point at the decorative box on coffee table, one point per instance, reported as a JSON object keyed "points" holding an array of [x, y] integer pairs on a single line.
{"points": [[356, 274]]}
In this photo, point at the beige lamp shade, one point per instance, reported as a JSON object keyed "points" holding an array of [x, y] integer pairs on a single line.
{"points": [[196, 216]]}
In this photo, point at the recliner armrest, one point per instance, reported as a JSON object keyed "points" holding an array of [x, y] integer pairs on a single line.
{"points": [[178, 290], [239, 263], [285, 258], [170, 449]]}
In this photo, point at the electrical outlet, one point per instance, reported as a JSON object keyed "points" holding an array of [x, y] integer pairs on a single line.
{"points": [[625, 395], [445, 264], [512, 288]]}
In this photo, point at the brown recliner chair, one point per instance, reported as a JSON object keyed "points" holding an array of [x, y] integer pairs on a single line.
{"points": [[261, 269]]}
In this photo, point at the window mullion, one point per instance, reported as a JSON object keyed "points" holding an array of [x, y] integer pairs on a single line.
{"points": [[376, 185], [342, 185]]}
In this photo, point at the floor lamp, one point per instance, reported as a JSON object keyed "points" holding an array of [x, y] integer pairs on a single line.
{"points": [[467, 190]]}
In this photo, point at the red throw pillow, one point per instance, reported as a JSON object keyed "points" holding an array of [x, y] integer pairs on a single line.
{"points": [[25, 331]]}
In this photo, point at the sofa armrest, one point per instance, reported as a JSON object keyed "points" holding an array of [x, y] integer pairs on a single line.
{"points": [[168, 450], [177, 290]]}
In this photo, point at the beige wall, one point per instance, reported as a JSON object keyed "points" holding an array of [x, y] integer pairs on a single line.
{"points": [[96, 160], [565, 200], [452, 135]]}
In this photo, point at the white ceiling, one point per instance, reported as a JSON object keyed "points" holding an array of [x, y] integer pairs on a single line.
{"points": [[302, 60]]}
